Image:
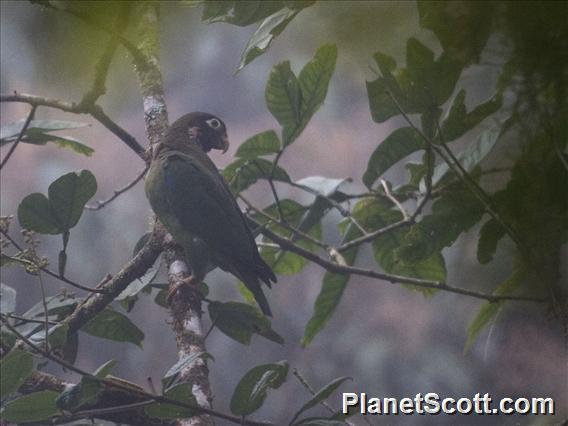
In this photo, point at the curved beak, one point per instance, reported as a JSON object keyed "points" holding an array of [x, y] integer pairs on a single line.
{"points": [[224, 143]]}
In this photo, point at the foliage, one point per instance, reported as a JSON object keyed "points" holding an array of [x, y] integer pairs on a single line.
{"points": [[408, 225]]}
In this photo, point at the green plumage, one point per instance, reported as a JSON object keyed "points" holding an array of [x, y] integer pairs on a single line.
{"points": [[194, 203]]}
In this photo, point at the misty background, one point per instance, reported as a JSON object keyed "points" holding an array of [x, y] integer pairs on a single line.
{"points": [[392, 341]]}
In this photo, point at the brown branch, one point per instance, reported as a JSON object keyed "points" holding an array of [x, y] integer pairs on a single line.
{"points": [[20, 136], [393, 199], [121, 386], [102, 203], [93, 110], [337, 268], [133, 269], [185, 306]]}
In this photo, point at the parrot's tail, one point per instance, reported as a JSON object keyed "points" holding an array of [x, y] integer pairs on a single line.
{"points": [[264, 271], [251, 281]]}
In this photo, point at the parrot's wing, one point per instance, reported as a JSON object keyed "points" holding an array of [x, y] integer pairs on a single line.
{"points": [[201, 203]]}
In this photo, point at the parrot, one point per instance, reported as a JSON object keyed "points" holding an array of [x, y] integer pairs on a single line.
{"points": [[194, 203]]}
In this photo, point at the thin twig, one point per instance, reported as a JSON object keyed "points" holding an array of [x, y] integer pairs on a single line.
{"points": [[25, 320], [284, 225], [20, 136], [102, 203], [51, 273], [45, 311], [394, 200], [323, 402], [93, 110], [333, 267]]}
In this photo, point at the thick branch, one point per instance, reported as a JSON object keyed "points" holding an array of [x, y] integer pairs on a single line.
{"points": [[185, 307]]}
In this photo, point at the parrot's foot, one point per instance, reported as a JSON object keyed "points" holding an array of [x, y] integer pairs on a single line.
{"points": [[175, 288]]}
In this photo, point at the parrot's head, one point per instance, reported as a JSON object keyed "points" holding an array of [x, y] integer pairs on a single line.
{"points": [[198, 128]]}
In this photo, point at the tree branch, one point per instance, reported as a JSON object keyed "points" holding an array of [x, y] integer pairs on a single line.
{"points": [[337, 268], [93, 110], [102, 203], [20, 136]]}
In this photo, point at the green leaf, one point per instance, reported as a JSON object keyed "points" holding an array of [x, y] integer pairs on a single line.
{"points": [[472, 155], [331, 292], [489, 235], [170, 378], [321, 185], [15, 367], [56, 305], [241, 13], [458, 120], [68, 196], [490, 309], [60, 141], [61, 212], [77, 396], [7, 299], [452, 214], [265, 34], [398, 145], [285, 262], [182, 393], [113, 325], [34, 407], [264, 143], [321, 395], [314, 79], [105, 369], [293, 101], [284, 97], [251, 391], [240, 321], [34, 213], [425, 84], [12, 130], [242, 173]]}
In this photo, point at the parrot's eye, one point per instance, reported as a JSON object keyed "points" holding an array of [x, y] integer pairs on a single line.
{"points": [[213, 123]]}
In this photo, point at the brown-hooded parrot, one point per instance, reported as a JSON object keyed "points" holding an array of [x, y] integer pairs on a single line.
{"points": [[195, 204]]}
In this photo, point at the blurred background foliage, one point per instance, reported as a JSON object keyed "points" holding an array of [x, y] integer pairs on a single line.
{"points": [[392, 341]]}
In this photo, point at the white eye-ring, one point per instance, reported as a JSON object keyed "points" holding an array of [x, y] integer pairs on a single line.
{"points": [[213, 123]]}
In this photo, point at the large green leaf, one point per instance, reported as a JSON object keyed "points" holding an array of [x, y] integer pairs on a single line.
{"points": [[242, 173], [61, 212], [12, 130], [321, 395], [490, 309], [489, 235], [68, 196], [240, 321], [34, 213], [113, 325], [293, 101], [331, 292], [458, 120], [374, 214], [250, 393], [462, 31], [425, 83], [296, 215], [241, 13], [398, 145], [14, 369], [261, 144], [265, 34], [471, 156], [452, 214], [34, 407], [76, 396]]}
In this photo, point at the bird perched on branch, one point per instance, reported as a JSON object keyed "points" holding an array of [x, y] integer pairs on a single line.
{"points": [[194, 203]]}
